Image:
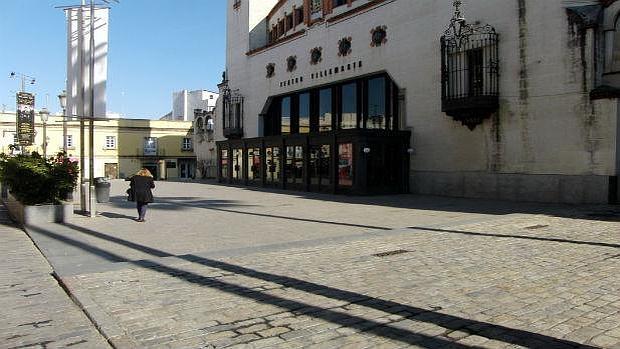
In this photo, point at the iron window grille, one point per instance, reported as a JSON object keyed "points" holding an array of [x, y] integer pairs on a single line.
{"points": [[470, 70], [232, 114]]}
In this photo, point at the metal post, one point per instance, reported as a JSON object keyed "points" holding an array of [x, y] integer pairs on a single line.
{"points": [[81, 111], [91, 130], [64, 130], [44, 140]]}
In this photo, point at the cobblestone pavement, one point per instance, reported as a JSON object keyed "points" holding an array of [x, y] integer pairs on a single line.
{"points": [[231, 267], [35, 311]]}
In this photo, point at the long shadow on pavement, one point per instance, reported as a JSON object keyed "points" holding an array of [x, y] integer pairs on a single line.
{"points": [[484, 329], [510, 236]]}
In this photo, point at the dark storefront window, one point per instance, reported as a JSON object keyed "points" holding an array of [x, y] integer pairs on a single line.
{"points": [[294, 164], [286, 115], [348, 117], [319, 165], [224, 163], [325, 110], [237, 161], [376, 104], [345, 164], [304, 113], [274, 168], [254, 164]]}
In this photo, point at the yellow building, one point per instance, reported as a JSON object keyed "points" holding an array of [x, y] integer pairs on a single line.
{"points": [[121, 146]]}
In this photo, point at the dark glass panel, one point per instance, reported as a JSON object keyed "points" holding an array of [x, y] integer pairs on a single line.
{"points": [[294, 165], [254, 164], [274, 168], [304, 113], [348, 118], [237, 161], [345, 165], [376, 104], [319, 165], [325, 110], [224, 163], [286, 115]]}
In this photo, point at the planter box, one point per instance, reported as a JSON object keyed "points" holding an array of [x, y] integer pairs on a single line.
{"points": [[28, 215]]}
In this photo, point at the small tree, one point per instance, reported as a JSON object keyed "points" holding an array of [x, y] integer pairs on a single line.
{"points": [[35, 180]]}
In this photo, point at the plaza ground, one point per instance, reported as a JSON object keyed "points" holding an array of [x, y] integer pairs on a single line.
{"points": [[217, 266]]}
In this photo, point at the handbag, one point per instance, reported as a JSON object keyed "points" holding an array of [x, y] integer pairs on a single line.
{"points": [[130, 195]]}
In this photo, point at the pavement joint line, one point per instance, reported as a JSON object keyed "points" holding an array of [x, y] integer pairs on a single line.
{"points": [[245, 251]]}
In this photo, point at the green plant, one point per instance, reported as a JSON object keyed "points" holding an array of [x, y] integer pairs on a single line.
{"points": [[34, 180]]}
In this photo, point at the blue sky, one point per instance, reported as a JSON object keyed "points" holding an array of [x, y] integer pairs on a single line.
{"points": [[155, 47]]}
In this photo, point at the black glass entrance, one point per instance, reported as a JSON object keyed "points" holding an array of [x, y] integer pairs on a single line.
{"points": [[341, 138]]}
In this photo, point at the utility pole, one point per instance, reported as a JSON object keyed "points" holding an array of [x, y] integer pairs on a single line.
{"points": [[91, 129]]}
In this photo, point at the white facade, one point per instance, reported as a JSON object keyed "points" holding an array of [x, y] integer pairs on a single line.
{"points": [[185, 102], [548, 141], [79, 60]]}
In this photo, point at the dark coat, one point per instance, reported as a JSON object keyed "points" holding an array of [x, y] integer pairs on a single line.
{"points": [[141, 186]]}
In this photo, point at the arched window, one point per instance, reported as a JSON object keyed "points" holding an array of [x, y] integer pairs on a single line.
{"points": [[199, 125]]}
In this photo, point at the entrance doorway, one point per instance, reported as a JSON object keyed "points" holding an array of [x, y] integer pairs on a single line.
{"points": [[153, 169], [187, 169]]}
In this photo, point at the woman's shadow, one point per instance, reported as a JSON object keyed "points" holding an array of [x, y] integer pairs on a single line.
{"points": [[117, 215]]}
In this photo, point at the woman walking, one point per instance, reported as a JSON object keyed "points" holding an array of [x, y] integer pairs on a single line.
{"points": [[141, 185]]}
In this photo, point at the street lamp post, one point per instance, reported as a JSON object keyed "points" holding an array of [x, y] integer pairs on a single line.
{"points": [[62, 99], [44, 114]]}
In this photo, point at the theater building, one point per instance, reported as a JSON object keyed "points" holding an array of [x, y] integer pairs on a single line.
{"points": [[514, 100]]}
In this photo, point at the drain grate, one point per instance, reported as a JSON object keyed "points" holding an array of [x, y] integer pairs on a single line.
{"points": [[390, 253], [538, 226]]}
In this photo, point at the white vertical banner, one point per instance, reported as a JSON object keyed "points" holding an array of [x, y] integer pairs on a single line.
{"points": [[78, 60]]}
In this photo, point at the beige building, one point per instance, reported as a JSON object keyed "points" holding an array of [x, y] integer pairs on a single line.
{"points": [[512, 100], [121, 146]]}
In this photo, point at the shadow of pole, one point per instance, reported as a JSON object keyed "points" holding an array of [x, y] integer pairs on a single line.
{"points": [[453, 323]]}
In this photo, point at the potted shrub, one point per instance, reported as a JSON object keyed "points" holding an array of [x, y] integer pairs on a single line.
{"points": [[38, 187]]}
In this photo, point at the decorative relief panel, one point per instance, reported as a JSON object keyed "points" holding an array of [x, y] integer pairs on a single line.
{"points": [[344, 47]]}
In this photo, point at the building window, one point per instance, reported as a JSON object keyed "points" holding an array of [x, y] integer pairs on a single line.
{"points": [[187, 144], [150, 146], [316, 7], [69, 141], [289, 22], [470, 71], [325, 110], [304, 113], [376, 104], [299, 15], [236, 4], [348, 118], [336, 3], [110, 142], [286, 116]]}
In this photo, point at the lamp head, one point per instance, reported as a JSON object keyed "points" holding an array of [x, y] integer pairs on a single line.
{"points": [[62, 98], [44, 114]]}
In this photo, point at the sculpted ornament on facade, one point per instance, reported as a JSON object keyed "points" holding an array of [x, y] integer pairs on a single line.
{"points": [[316, 55], [271, 70], [378, 36], [291, 63], [344, 47]]}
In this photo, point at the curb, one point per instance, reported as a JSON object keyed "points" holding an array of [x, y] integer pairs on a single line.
{"points": [[108, 328]]}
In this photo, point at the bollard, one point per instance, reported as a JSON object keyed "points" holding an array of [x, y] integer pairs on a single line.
{"points": [[92, 212], [83, 191]]}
